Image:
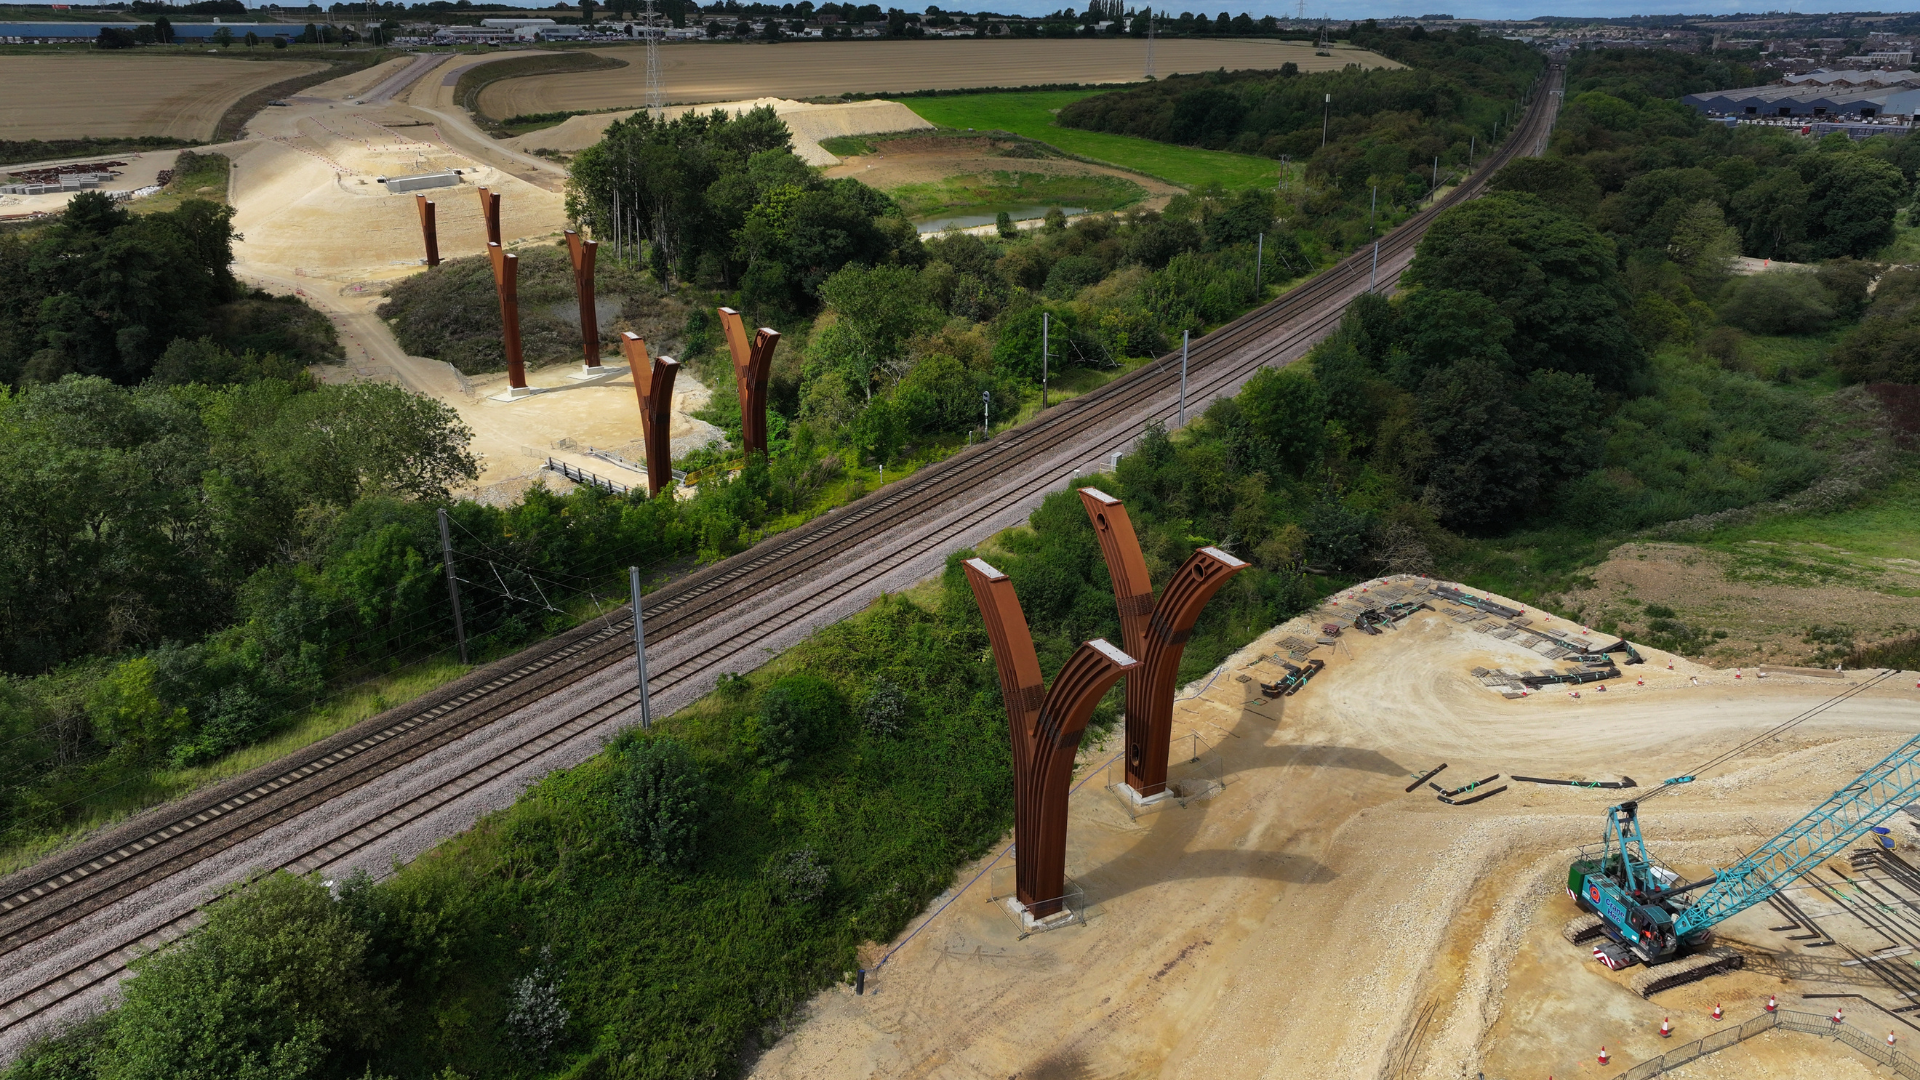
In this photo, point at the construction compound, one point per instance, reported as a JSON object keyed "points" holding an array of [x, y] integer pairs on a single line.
{"points": [[1324, 912]]}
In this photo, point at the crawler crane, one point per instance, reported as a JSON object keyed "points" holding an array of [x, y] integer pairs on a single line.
{"points": [[1641, 913]]}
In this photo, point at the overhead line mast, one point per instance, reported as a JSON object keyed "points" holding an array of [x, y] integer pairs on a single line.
{"points": [[656, 89]]}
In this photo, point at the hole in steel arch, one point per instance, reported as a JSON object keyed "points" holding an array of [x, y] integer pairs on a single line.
{"points": [[1102, 519], [1135, 755]]}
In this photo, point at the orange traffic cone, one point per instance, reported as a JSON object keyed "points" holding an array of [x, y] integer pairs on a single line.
{"points": [[1666, 1027], [1771, 1004], [1603, 1050], [1716, 1011]]}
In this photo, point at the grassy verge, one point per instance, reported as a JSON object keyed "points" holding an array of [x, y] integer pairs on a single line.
{"points": [[990, 193], [466, 92], [234, 120], [1031, 114], [1856, 546], [345, 708], [195, 176]]}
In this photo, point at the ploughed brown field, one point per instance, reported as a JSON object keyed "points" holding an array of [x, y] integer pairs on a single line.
{"points": [[698, 72], [79, 95]]}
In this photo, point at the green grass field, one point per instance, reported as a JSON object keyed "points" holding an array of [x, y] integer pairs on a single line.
{"points": [[1031, 115], [990, 193]]}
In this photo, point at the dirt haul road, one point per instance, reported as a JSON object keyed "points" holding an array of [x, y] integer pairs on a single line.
{"points": [[1314, 919], [81, 95], [728, 72]]}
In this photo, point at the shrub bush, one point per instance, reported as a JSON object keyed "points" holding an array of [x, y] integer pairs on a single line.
{"points": [[797, 715], [1778, 302], [662, 801]]}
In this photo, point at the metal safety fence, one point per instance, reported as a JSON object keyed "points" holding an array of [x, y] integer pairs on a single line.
{"points": [[1808, 1023]]}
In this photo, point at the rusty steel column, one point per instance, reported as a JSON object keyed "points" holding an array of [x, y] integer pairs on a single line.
{"points": [[490, 213], [582, 252], [428, 229], [1045, 728], [1156, 633], [751, 363], [653, 385], [506, 280]]}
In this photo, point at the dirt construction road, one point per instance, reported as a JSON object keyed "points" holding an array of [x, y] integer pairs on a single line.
{"points": [[1314, 919], [721, 72]]}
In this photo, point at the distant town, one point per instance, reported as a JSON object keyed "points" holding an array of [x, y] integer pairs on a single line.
{"points": [[1787, 44]]}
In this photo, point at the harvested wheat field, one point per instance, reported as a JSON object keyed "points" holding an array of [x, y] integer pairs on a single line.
{"points": [[80, 95], [717, 72], [1301, 913]]}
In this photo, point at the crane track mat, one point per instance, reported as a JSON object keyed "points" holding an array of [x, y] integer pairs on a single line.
{"points": [[1477, 798]]}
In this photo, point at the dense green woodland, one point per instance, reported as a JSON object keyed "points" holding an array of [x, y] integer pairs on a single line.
{"points": [[106, 292], [1570, 361]]}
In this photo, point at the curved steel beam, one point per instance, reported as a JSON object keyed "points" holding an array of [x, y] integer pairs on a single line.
{"points": [[428, 229], [582, 253], [1045, 728], [490, 214], [1156, 633], [653, 385], [506, 280], [752, 361]]}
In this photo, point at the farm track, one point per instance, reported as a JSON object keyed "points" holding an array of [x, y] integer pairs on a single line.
{"points": [[925, 514]]}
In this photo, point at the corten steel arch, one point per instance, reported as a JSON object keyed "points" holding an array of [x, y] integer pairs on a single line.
{"points": [[1156, 633], [1046, 731], [506, 280], [653, 385], [582, 252], [490, 213], [751, 363], [428, 229]]}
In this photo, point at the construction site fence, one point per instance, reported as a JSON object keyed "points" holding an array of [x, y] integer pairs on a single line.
{"points": [[1808, 1023]]}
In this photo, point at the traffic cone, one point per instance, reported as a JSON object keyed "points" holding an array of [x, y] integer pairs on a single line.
{"points": [[1889, 1043], [1603, 1050], [1771, 1004], [1666, 1027], [1643, 682], [1716, 1011], [1839, 1015]]}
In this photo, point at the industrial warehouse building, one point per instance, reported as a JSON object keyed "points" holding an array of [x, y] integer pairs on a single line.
{"points": [[1869, 98]]}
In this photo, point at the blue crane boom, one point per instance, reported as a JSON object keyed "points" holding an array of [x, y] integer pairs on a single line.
{"points": [[1823, 833]]}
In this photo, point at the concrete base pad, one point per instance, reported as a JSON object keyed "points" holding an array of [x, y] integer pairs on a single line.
{"points": [[1126, 791], [1064, 917], [601, 372], [516, 393]]}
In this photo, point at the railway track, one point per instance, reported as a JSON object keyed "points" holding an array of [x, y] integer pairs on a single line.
{"points": [[699, 623]]}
